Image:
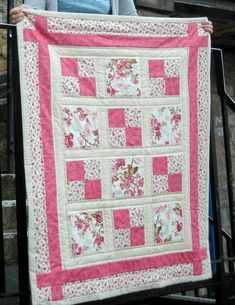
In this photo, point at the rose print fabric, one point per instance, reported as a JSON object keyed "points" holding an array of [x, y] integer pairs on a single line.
{"points": [[81, 129], [116, 124], [168, 223], [86, 233], [122, 77], [166, 126], [127, 177]]}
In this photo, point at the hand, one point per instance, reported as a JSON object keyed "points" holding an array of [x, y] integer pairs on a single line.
{"points": [[17, 13], [207, 26]]}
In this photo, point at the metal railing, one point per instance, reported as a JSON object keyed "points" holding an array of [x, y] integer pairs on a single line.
{"points": [[218, 290]]}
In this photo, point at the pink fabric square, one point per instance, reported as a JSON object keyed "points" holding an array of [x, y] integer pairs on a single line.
{"points": [[116, 118], [121, 219], [172, 85], [156, 68], [69, 66], [137, 236], [133, 136], [93, 189], [75, 170], [175, 183], [160, 166], [57, 293], [87, 86]]}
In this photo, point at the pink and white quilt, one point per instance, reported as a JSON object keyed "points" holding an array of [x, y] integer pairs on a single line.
{"points": [[116, 120]]}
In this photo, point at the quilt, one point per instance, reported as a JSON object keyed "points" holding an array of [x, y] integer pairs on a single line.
{"points": [[116, 134]]}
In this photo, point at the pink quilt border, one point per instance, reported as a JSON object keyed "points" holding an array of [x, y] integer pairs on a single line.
{"points": [[57, 276]]}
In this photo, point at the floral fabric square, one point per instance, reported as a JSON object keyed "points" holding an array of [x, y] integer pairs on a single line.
{"points": [[125, 127], [167, 223], [83, 180], [78, 77], [165, 126], [87, 234], [70, 86], [167, 174], [127, 177], [122, 77], [128, 227], [164, 77], [81, 127]]}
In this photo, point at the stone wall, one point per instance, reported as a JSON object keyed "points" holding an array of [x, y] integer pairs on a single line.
{"points": [[3, 78], [229, 70], [3, 44]]}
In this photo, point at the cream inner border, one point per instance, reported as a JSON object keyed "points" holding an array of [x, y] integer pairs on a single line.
{"points": [[61, 154]]}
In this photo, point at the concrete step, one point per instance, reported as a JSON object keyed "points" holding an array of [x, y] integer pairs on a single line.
{"points": [[10, 247], [8, 187], [3, 133], [10, 231], [9, 214], [9, 218]]}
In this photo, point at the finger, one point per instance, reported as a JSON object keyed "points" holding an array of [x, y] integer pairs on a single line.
{"points": [[17, 20], [208, 28], [17, 17], [207, 22], [15, 10], [18, 9]]}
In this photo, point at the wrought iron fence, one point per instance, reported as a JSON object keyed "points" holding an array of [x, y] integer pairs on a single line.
{"points": [[218, 290]]}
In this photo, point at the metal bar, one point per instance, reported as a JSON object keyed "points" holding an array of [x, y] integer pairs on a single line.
{"points": [[231, 260], [221, 298], [22, 242], [220, 81], [10, 114], [6, 26], [196, 293], [2, 256], [225, 233]]}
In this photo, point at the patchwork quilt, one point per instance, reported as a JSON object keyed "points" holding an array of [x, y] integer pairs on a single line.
{"points": [[115, 121]]}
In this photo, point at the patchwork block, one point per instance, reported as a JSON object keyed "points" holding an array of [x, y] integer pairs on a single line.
{"points": [[125, 127], [167, 223], [75, 191], [116, 118], [164, 77], [75, 170], [83, 180], [81, 127], [172, 85], [165, 123], [78, 77], [156, 68], [69, 66], [167, 174], [129, 227], [86, 232], [127, 177], [70, 86], [122, 77], [87, 86]]}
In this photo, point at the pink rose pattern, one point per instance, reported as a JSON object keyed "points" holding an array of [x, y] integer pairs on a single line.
{"points": [[86, 232], [122, 77], [81, 128], [168, 223], [166, 126], [127, 177]]}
